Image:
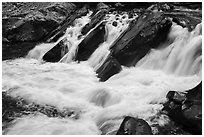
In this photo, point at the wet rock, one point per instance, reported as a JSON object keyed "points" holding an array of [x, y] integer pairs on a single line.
{"points": [[24, 25], [109, 68], [12, 50], [54, 35], [57, 52], [91, 42], [148, 31], [184, 18], [115, 23], [186, 110], [134, 126], [181, 13], [96, 18], [32, 21], [15, 107]]}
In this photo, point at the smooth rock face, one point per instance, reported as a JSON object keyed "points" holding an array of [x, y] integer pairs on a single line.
{"points": [[91, 42], [186, 110], [57, 52], [134, 126], [109, 68], [147, 32]]}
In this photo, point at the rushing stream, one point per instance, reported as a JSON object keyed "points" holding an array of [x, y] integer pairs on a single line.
{"points": [[99, 107]]}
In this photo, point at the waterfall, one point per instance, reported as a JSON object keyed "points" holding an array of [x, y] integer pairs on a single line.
{"points": [[180, 55], [114, 28], [138, 91], [71, 39]]}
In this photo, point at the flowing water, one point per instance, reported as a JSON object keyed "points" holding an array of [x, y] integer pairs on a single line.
{"points": [[100, 106]]}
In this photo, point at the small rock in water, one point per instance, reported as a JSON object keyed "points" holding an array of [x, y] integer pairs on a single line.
{"points": [[115, 23], [134, 126]]}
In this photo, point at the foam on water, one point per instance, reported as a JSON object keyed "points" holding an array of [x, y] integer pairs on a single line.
{"points": [[137, 91], [182, 57], [134, 91], [112, 32]]}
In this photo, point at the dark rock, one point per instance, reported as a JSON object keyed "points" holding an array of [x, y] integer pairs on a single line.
{"points": [[57, 52], [189, 5], [147, 32], [12, 50], [32, 21], [61, 29], [187, 19], [170, 128], [91, 42], [96, 18], [109, 68], [186, 110], [134, 126], [13, 108], [126, 6], [101, 6], [115, 23]]}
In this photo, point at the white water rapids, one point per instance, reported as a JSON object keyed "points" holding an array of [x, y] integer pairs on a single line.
{"points": [[137, 91]]}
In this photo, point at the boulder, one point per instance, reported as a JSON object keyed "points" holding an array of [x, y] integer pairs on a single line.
{"points": [[96, 18], [148, 31], [109, 68], [134, 126], [57, 52], [186, 110], [180, 13], [54, 35], [32, 21], [91, 42], [12, 50]]}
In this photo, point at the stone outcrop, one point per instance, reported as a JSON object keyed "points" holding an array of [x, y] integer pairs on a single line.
{"points": [[134, 126], [28, 22], [109, 68], [147, 32], [57, 52], [186, 109], [91, 42]]}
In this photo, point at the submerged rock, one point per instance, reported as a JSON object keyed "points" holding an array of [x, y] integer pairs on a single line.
{"points": [[147, 32], [109, 68], [13, 108], [186, 110], [134, 126], [91, 42]]}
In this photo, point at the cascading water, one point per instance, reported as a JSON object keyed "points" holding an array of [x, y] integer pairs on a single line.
{"points": [[182, 57], [113, 32], [71, 40], [100, 106]]}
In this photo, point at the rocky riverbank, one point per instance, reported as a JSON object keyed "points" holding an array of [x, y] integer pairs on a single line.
{"points": [[24, 25]]}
